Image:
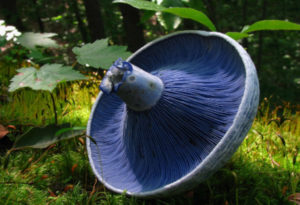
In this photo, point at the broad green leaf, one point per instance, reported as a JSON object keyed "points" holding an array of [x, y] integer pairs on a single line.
{"points": [[30, 40], [237, 35], [272, 25], [99, 54], [188, 13], [45, 78], [193, 14], [42, 137], [141, 4]]}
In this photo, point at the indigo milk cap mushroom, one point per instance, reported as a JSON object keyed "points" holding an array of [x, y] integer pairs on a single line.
{"points": [[172, 114]]}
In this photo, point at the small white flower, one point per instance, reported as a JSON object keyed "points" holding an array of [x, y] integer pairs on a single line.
{"points": [[10, 28], [9, 36], [2, 30], [9, 32]]}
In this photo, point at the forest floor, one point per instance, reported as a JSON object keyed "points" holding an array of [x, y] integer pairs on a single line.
{"points": [[264, 170]]}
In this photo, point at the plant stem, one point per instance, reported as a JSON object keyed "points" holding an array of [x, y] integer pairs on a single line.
{"points": [[54, 107]]}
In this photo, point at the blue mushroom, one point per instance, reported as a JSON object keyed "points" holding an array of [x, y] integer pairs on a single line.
{"points": [[172, 114]]}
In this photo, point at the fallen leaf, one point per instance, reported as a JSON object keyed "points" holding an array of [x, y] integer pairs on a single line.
{"points": [[295, 198], [51, 193], [3, 131], [284, 189], [74, 167], [81, 140], [189, 194], [51, 146], [68, 187], [12, 127], [30, 159]]}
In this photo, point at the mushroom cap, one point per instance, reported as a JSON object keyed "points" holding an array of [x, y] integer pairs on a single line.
{"points": [[208, 104]]}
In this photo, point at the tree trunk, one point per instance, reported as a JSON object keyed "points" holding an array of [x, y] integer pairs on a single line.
{"points": [[211, 9], [10, 13], [260, 39], [93, 14], [133, 27], [245, 6], [38, 16], [81, 27]]}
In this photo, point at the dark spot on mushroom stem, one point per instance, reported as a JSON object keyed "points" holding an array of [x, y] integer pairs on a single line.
{"points": [[131, 78], [151, 84]]}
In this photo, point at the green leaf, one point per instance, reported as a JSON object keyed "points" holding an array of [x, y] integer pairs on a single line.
{"points": [[193, 14], [39, 56], [141, 4], [188, 13], [30, 40], [237, 35], [45, 78], [42, 137], [99, 54], [36, 54], [272, 25], [63, 130]]}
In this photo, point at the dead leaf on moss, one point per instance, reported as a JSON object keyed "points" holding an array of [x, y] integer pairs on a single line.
{"points": [[295, 198], [3, 131]]}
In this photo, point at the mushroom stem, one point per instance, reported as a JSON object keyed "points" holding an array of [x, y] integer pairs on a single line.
{"points": [[139, 89]]}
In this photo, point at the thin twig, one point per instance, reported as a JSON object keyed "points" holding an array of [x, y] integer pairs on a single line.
{"points": [[54, 107]]}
